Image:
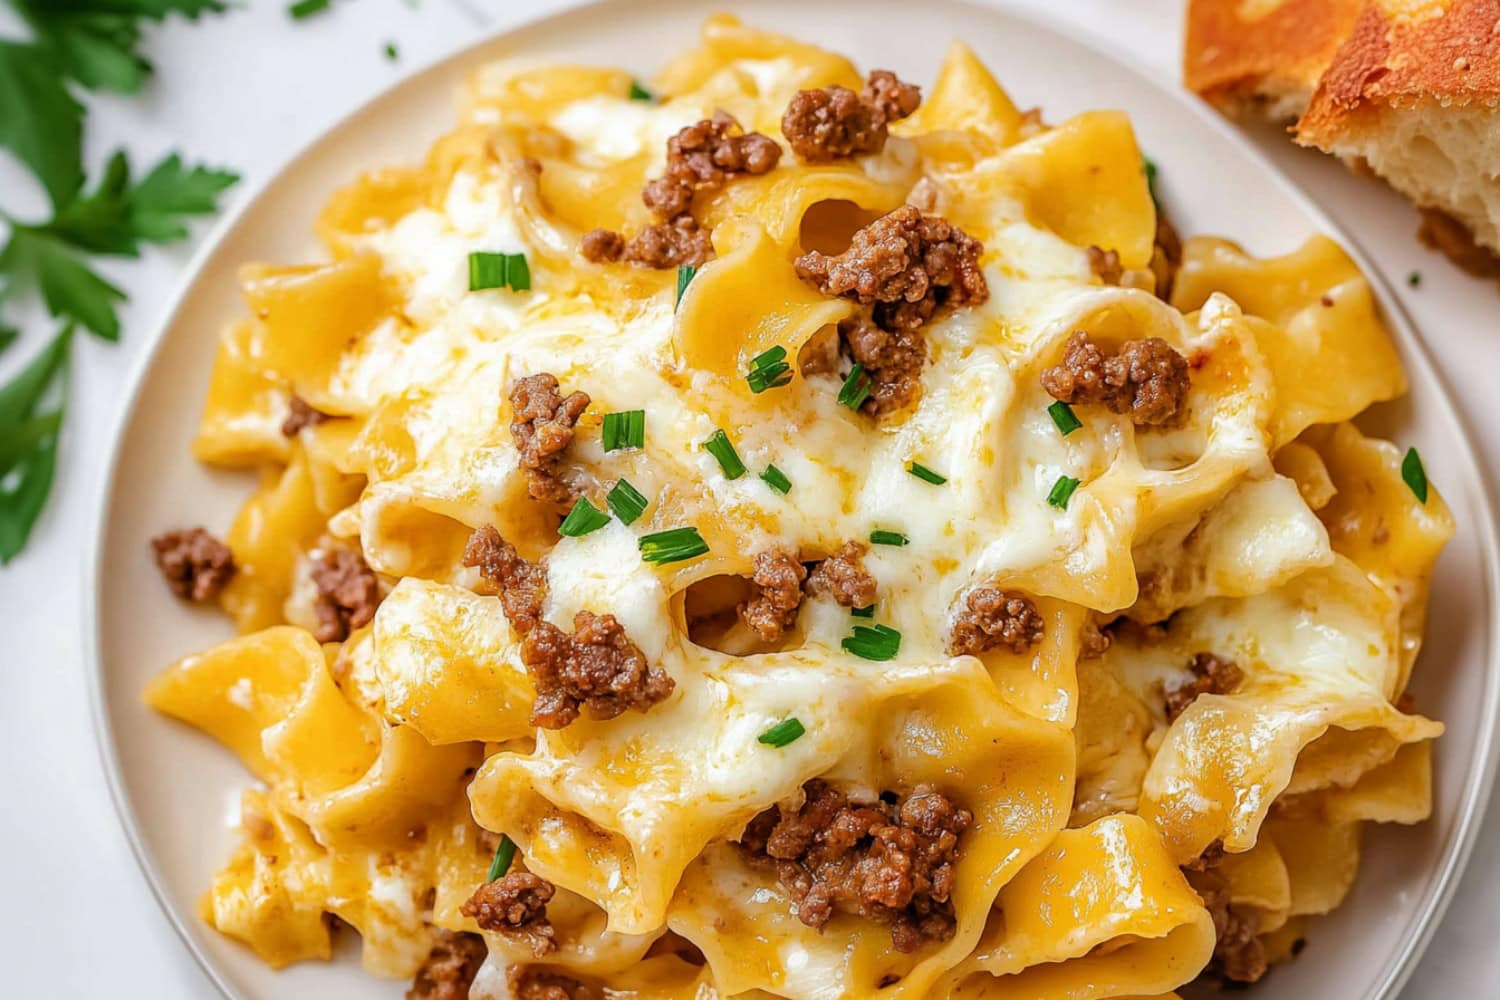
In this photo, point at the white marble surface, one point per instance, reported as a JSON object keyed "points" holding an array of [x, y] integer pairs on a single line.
{"points": [[247, 90]]}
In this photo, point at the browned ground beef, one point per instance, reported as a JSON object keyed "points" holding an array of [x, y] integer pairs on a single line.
{"points": [[348, 593], [1166, 256], [300, 414], [991, 617], [196, 565], [522, 584], [596, 668], [843, 577], [891, 860], [450, 967], [1094, 641], [515, 904], [677, 243], [777, 583], [1211, 675], [542, 426], [892, 358], [1239, 956], [534, 982], [1146, 379], [703, 157], [602, 245], [1106, 265], [835, 122]]}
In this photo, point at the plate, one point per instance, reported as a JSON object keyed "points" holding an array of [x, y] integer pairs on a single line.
{"points": [[177, 791]]}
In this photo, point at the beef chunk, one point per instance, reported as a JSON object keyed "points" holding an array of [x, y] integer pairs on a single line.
{"points": [[835, 122], [1239, 956], [991, 617], [196, 565], [300, 414], [704, 156], [1106, 265], [596, 668], [1211, 675], [515, 905], [602, 245], [778, 593], [542, 426], [522, 584], [678, 242], [1147, 379], [450, 967], [893, 359], [891, 860], [843, 577], [1093, 641], [348, 593], [530, 982], [906, 261]]}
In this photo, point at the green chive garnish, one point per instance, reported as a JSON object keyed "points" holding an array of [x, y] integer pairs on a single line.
{"points": [[1063, 416], [878, 643], [673, 545], [684, 275], [306, 8], [868, 611], [486, 270], [883, 537], [627, 502], [1149, 166], [925, 474], [582, 519], [769, 370], [856, 388], [640, 93], [777, 480], [517, 272], [1414, 474], [1062, 492], [784, 732], [720, 447], [626, 429], [390, 51], [504, 855], [1414, 279]]}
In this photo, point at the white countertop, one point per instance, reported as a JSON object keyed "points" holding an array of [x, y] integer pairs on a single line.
{"points": [[246, 90]]}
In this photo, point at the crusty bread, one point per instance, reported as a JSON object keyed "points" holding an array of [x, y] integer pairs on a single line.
{"points": [[1410, 90]]}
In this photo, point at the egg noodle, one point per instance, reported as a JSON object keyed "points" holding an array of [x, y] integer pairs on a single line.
{"points": [[1024, 813]]}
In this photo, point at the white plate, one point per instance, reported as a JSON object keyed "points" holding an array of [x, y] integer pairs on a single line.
{"points": [[176, 789]]}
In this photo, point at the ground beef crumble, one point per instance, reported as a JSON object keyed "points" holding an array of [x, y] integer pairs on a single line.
{"points": [[704, 156], [531, 982], [1093, 640], [843, 577], [1239, 956], [522, 584], [596, 668], [1146, 379], [450, 967], [892, 358], [991, 617], [835, 122], [1106, 265], [542, 426], [682, 242], [300, 414], [515, 905], [891, 860], [602, 246], [348, 593], [1211, 675], [777, 582], [196, 565]]}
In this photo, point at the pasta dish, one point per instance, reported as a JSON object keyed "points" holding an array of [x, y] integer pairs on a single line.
{"points": [[776, 530]]}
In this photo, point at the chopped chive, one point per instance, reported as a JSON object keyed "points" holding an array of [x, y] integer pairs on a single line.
{"points": [[684, 275], [883, 537], [627, 502], [777, 480], [868, 611], [486, 270], [856, 388], [1062, 492], [784, 732], [1414, 279], [626, 429], [640, 93], [1149, 166], [1063, 416], [769, 370], [306, 8], [720, 447], [1414, 474], [673, 545], [925, 474], [504, 855], [517, 272], [878, 643], [390, 51], [582, 519]]}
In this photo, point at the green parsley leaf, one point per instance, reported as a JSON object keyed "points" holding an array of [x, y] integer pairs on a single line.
{"points": [[1414, 475], [883, 537], [582, 519], [627, 502], [639, 93], [116, 217], [1062, 492], [785, 732], [68, 287], [878, 643], [28, 442], [505, 853], [626, 429], [95, 41], [925, 474], [672, 545], [720, 447], [306, 8], [8, 334], [777, 480], [1063, 416], [39, 120]]}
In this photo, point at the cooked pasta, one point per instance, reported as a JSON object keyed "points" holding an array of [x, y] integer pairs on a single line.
{"points": [[768, 531]]}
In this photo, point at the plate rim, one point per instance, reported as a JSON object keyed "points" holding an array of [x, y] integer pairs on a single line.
{"points": [[1478, 782]]}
